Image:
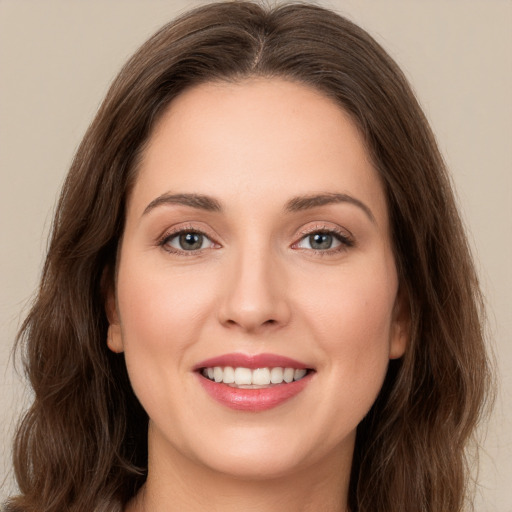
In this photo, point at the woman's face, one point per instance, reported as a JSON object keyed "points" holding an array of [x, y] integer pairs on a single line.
{"points": [[257, 230]]}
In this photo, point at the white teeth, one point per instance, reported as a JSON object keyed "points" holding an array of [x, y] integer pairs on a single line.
{"points": [[288, 374], [229, 375], [298, 374], [243, 376], [276, 375], [259, 377], [217, 374]]}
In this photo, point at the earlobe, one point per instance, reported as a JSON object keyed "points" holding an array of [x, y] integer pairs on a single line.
{"points": [[398, 343], [400, 329], [114, 336]]}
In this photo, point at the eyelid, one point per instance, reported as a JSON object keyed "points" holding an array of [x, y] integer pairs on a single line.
{"points": [[344, 236], [175, 231], [326, 227]]}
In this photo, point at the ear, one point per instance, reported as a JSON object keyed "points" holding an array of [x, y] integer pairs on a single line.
{"points": [[401, 325], [114, 337]]}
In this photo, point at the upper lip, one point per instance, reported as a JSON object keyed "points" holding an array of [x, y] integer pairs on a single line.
{"points": [[251, 361]]}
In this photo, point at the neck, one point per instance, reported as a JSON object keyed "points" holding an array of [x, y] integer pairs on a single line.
{"points": [[175, 483]]}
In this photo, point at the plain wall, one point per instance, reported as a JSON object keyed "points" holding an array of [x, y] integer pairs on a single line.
{"points": [[57, 59]]}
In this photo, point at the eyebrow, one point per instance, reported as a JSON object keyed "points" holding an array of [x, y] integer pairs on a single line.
{"points": [[296, 204], [199, 201], [312, 201]]}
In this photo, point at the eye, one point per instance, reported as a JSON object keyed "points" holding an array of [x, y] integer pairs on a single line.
{"points": [[319, 241], [325, 241], [187, 241]]}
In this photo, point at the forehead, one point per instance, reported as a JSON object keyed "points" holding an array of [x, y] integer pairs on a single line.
{"points": [[258, 138]]}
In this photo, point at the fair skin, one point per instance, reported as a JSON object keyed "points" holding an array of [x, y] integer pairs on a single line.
{"points": [[314, 281]]}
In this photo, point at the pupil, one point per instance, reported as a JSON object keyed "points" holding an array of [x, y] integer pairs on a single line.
{"points": [[320, 241], [191, 241]]}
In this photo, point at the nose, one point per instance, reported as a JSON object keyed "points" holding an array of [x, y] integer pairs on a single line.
{"points": [[255, 294]]}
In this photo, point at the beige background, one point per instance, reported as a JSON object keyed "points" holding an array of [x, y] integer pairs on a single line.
{"points": [[58, 57]]}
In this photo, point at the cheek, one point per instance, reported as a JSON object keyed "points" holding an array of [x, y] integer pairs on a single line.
{"points": [[351, 317], [357, 300], [161, 315], [158, 307]]}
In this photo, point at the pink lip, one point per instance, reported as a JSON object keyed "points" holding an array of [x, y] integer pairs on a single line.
{"points": [[252, 399], [251, 361]]}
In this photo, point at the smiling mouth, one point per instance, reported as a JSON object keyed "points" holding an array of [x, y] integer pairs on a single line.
{"points": [[257, 378]]}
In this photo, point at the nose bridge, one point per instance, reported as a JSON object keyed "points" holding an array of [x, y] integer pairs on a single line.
{"points": [[255, 295]]}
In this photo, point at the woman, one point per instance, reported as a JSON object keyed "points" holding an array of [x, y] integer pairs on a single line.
{"points": [[258, 293]]}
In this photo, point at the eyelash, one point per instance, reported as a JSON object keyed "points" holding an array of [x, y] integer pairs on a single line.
{"points": [[168, 236], [346, 241]]}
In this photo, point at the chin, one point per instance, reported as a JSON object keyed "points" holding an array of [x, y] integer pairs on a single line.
{"points": [[259, 454], [256, 466]]}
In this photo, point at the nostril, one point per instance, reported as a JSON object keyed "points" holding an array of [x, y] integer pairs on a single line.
{"points": [[250, 325]]}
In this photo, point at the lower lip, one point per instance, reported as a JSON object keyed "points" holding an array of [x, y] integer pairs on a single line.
{"points": [[253, 399]]}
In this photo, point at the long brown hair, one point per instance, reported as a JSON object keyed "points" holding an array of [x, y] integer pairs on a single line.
{"points": [[82, 445]]}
